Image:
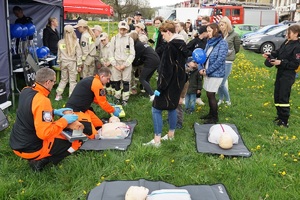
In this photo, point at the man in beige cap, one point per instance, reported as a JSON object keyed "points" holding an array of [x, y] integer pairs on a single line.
{"points": [[87, 43], [97, 31], [137, 19], [105, 55], [123, 53]]}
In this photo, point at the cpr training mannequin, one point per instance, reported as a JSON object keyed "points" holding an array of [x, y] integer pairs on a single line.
{"points": [[141, 193], [223, 135], [115, 129]]}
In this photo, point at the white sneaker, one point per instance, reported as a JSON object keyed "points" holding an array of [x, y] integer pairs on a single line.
{"points": [[199, 102], [152, 143], [166, 137], [228, 103], [152, 98], [220, 102], [58, 98]]}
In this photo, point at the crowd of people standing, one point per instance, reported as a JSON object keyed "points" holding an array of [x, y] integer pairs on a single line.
{"points": [[111, 66]]}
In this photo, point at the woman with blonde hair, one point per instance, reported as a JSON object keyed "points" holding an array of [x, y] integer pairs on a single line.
{"points": [[233, 40], [88, 47], [69, 59]]}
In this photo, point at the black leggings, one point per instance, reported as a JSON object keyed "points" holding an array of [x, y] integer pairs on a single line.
{"points": [[145, 77], [213, 106]]}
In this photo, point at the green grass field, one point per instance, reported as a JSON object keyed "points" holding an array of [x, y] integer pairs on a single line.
{"points": [[272, 172]]}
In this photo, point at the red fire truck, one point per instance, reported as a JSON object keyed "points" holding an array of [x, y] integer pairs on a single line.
{"points": [[240, 14]]}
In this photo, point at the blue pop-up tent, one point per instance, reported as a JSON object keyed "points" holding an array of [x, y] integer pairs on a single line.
{"points": [[39, 11]]}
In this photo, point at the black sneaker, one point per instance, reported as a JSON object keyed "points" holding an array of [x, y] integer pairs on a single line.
{"points": [[282, 123], [38, 165], [124, 103]]}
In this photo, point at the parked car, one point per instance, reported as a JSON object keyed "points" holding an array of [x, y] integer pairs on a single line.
{"points": [[266, 42], [242, 29], [261, 31]]}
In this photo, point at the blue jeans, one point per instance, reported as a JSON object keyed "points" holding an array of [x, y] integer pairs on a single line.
{"points": [[223, 91], [158, 122], [190, 101]]}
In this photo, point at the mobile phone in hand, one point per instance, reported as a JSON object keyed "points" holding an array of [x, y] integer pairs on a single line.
{"points": [[151, 41]]}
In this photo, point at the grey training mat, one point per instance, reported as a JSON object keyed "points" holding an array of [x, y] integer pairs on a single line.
{"points": [[116, 190], [118, 144], [203, 146]]}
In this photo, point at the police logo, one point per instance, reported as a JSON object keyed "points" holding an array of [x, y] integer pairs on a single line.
{"points": [[47, 116], [102, 92], [83, 44]]}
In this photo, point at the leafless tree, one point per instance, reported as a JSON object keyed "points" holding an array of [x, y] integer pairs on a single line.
{"points": [[125, 8]]}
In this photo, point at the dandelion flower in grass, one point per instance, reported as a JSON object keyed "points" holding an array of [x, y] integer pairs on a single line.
{"points": [[294, 137], [258, 147], [298, 153], [127, 160], [104, 155], [274, 164], [172, 161], [102, 178], [267, 103], [285, 154], [84, 192], [98, 183], [286, 137], [283, 173], [226, 118], [221, 156], [23, 191], [281, 137], [20, 181], [295, 160]]}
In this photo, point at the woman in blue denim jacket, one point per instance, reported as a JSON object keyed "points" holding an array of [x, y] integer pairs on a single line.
{"points": [[213, 69]]}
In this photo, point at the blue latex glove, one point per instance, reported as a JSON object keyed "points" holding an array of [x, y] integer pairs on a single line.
{"points": [[156, 93], [60, 112], [117, 111], [70, 118]]}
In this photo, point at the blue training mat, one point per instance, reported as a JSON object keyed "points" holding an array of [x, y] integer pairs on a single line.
{"points": [[116, 190], [203, 146], [118, 144]]}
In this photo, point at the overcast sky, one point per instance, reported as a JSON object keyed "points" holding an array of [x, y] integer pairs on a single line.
{"points": [[156, 3]]}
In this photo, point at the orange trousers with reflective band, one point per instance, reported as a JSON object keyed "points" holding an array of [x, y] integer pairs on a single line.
{"points": [[44, 151]]}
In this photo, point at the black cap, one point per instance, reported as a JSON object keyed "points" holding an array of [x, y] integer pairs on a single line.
{"points": [[138, 13]]}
